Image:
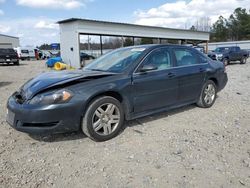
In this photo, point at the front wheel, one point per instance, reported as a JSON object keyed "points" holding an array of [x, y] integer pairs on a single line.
{"points": [[208, 95], [226, 61], [243, 60], [103, 119]]}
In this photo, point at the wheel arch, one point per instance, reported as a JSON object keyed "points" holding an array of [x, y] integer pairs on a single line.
{"points": [[214, 80], [115, 94]]}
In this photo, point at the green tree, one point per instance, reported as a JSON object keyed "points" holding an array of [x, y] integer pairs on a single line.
{"points": [[219, 30], [239, 24], [236, 27], [147, 41], [45, 47], [128, 42]]}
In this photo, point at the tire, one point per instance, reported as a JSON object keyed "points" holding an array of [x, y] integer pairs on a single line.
{"points": [[98, 113], [17, 63], [243, 60], [207, 100], [226, 61]]}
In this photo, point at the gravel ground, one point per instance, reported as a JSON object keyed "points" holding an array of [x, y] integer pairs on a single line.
{"points": [[187, 147]]}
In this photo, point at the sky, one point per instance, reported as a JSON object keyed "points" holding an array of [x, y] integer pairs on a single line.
{"points": [[34, 21]]}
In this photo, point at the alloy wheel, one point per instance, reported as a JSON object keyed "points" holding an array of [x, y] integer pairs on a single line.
{"points": [[209, 94], [106, 119]]}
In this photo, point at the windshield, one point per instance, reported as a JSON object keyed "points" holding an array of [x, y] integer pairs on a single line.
{"points": [[221, 49], [116, 61], [25, 51]]}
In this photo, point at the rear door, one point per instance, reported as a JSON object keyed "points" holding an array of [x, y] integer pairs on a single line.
{"points": [[191, 72], [157, 88], [234, 54], [239, 53]]}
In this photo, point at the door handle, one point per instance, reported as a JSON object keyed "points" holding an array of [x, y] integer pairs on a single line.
{"points": [[171, 75]]}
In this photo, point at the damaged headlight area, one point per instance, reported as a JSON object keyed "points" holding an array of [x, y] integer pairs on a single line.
{"points": [[56, 97], [219, 56]]}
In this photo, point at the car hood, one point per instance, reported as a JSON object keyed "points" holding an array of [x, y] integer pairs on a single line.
{"points": [[51, 79]]}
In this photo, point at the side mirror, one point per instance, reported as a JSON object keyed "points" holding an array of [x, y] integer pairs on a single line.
{"points": [[148, 68]]}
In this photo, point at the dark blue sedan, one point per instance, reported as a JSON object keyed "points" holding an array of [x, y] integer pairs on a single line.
{"points": [[124, 84]]}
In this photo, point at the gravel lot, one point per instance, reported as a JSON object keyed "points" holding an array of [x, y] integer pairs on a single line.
{"points": [[187, 147]]}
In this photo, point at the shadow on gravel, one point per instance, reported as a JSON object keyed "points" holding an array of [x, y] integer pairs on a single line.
{"points": [[234, 63], [147, 119], [59, 137], [141, 121], [2, 84]]}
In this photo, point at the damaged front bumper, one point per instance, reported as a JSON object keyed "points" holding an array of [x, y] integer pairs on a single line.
{"points": [[56, 118]]}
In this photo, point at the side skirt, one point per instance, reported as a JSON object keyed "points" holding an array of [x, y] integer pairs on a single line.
{"points": [[132, 116]]}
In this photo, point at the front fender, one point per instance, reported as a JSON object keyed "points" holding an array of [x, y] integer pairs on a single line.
{"points": [[115, 89]]}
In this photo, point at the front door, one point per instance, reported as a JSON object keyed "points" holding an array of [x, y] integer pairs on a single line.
{"points": [[157, 88]]}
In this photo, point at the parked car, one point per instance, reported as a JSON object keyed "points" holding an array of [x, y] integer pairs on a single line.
{"points": [[8, 56], [44, 54], [85, 56], [54, 53], [123, 84], [25, 53], [200, 48], [228, 54]]}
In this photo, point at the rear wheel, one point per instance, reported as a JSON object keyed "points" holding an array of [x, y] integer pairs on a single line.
{"points": [[16, 63], [103, 119], [243, 60], [208, 95]]}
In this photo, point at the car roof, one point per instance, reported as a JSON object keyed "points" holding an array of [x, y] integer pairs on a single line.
{"points": [[152, 46]]}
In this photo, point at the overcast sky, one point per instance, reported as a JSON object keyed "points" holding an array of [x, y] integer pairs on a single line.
{"points": [[35, 21]]}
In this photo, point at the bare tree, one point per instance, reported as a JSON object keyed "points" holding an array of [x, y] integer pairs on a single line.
{"points": [[203, 24]]}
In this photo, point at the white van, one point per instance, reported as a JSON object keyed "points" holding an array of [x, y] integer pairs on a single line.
{"points": [[25, 53]]}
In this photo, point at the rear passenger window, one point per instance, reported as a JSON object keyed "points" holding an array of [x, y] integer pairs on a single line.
{"points": [[185, 57]]}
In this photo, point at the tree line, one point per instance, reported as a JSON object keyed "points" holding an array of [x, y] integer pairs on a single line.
{"points": [[236, 27]]}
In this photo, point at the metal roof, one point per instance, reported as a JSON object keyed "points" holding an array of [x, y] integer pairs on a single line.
{"points": [[128, 24], [105, 28], [9, 36]]}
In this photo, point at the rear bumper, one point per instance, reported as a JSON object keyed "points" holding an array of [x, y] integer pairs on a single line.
{"points": [[48, 119], [8, 60]]}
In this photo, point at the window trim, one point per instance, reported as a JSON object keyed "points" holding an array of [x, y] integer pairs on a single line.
{"points": [[136, 70], [198, 59]]}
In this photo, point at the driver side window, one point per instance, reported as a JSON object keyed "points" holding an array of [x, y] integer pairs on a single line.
{"points": [[159, 58]]}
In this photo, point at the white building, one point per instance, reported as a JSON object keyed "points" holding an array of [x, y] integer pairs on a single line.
{"points": [[71, 29], [9, 41]]}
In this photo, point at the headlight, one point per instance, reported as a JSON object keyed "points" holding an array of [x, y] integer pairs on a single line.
{"points": [[56, 97], [219, 55]]}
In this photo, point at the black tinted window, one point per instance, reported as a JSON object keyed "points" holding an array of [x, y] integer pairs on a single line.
{"points": [[7, 50], [25, 51], [185, 57], [159, 58]]}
